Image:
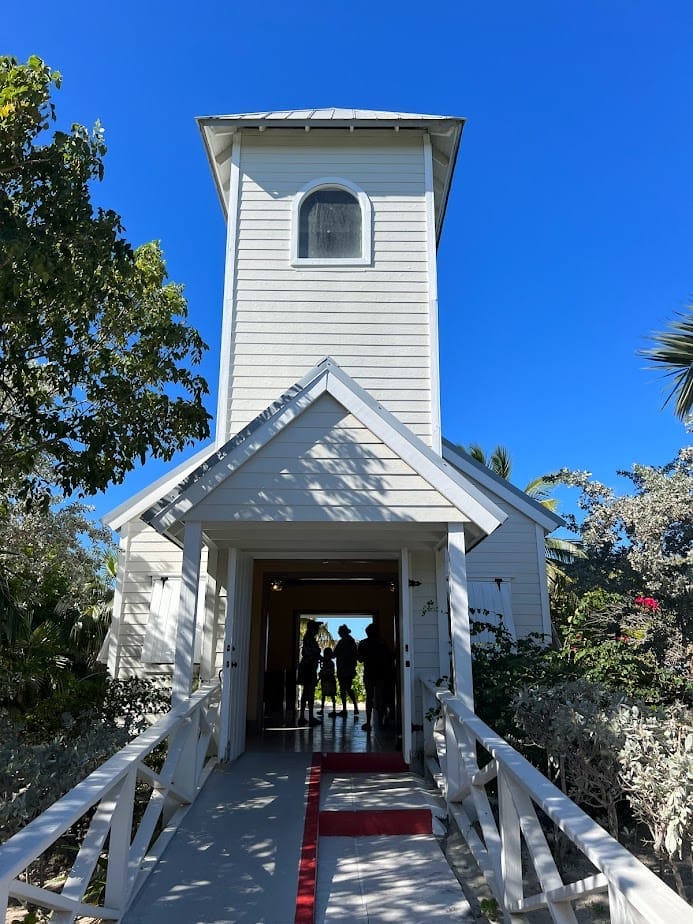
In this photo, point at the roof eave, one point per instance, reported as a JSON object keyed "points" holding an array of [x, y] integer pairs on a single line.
{"points": [[515, 496], [443, 125]]}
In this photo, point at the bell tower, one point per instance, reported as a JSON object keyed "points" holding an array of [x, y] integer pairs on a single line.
{"points": [[333, 217]]}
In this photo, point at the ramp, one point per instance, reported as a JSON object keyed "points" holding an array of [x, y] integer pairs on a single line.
{"points": [[235, 858], [295, 838]]}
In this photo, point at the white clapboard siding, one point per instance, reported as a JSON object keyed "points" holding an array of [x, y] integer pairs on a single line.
{"points": [[425, 622], [151, 556], [325, 467], [373, 320]]}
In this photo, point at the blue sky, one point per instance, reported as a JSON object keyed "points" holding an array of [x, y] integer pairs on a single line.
{"points": [[568, 236]]}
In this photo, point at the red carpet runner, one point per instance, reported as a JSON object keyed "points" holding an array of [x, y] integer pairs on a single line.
{"points": [[348, 824]]}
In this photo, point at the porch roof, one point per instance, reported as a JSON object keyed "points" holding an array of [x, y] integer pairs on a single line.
{"points": [[480, 516], [501, 487]]}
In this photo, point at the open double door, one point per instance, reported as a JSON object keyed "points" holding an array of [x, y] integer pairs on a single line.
{"points": [[281, 593]]}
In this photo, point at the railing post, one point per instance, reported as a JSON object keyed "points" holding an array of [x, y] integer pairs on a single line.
{"points": [[431, 711], [187, 613], [511, 845], [184, 777], [119, 842], [619, 912]]}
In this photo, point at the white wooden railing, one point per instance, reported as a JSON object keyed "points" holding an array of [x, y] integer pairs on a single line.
{"points": [[503, 831], [130, 841]]}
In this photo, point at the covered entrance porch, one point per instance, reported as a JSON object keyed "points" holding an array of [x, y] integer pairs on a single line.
{"points": [[258, 599], [329, 496]]}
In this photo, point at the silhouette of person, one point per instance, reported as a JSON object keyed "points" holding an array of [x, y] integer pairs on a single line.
{"points": [[328, 681], [378, 676], [308, 672], [346, 654]]}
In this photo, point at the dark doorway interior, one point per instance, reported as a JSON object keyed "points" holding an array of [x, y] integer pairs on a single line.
{"points": [[290, 590]]}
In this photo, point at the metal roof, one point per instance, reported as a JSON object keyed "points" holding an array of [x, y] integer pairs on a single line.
{"points": [[444, 132], [336, 114]]}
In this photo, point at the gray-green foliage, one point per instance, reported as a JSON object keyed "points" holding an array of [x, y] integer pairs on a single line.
{"points": [[608, 752], [644, 539], [656, 761], [37, 769], [575, 722]]}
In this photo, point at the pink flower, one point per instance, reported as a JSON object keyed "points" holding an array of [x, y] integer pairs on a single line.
{"points": [[648, 602]]}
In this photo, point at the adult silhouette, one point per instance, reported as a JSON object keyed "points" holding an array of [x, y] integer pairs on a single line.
{"points": [[346, 656], [378, 677], [308, 672]]}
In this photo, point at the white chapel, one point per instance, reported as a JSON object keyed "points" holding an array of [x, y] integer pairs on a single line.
{"points": [[329, 488]]}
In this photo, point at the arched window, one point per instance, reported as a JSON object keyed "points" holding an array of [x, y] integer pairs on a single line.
{"points": [[331, 224]]}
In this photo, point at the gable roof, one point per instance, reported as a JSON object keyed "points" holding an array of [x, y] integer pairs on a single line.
{"points": [[444, 131], [153, 500], [481, 514], [501, 487]]}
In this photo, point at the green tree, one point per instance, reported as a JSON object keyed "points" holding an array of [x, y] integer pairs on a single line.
{"points": [[95, 349], [674, 352], [56, 569]]}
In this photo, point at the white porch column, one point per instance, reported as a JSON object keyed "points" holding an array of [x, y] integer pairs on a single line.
{"points": [[406, 653], [459, 615], [113, 637], [443, 607], [230, 561], [187, 612], [209, 635]]}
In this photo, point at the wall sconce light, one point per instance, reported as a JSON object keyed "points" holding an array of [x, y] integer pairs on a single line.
{"points": [[276, 584], [391, 587]]}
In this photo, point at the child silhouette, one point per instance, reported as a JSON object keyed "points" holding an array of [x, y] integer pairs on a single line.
{"points": [[328, 680]]}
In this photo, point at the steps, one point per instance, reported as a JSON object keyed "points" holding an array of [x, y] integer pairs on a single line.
{"points": [[377, 856]]}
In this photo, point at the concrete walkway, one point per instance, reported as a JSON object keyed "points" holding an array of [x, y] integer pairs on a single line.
{"points": [[235, 858], [385, 879]]}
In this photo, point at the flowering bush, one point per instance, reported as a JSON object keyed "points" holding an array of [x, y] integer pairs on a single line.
{"points": [[648, 602]]}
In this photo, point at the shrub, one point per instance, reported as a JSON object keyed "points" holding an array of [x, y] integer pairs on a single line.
{"points": [[656, 771], [576, 724], [42, 759]]}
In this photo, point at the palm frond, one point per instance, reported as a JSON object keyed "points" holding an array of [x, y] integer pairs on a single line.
{"points": [[674, 351], [562, 551], [500, 462], [477, 453]]}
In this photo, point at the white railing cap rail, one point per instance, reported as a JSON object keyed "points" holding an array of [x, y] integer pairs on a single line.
{"points": [[645, 891], [39, 834]]}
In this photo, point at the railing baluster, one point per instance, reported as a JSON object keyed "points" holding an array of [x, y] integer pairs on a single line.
{"points": [[511, 845], [112, 788], [636, 895], [83, 868], [119, 842]]}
